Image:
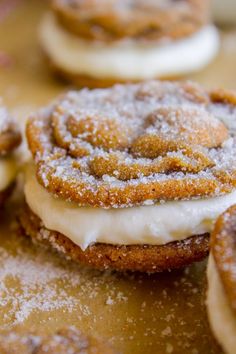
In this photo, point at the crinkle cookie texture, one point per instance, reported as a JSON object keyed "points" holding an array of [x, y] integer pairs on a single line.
{"points": [[107, 20], [223, 246], [66, 341], [136, 144]]}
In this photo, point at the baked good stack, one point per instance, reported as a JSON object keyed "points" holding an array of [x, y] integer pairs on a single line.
{"points": [[99, 43], [132, 177]]}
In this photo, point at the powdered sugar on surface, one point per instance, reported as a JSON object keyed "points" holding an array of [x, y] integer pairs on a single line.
{"points": [[36, 281], [36, 289], [41, 291]]}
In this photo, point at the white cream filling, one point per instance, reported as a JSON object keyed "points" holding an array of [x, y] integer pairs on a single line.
{"points": [[154, 225], [127, 60], [221, 317], [8, 171]]}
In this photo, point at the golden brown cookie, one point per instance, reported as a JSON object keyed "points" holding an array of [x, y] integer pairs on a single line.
{"points": [[157, 148], [66, 341], [139, 19], [221, 296], [128, 144]]}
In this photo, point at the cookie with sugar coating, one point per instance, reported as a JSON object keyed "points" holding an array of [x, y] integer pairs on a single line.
{"points": [[132, 177]]}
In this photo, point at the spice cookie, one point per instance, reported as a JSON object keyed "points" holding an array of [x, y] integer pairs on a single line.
{"points": [[69, 340], [10, 138], [102, 43], [221, 301], [124, 177]]}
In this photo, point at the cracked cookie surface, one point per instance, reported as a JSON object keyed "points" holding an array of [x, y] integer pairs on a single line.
{"points": [[132, 144]]}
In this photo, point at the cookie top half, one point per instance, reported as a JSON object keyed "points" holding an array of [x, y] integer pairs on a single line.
{"points": [[136, 144], [109, 20]]}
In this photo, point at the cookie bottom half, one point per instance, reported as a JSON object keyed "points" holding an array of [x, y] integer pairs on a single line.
{"points": [[142, 258]]}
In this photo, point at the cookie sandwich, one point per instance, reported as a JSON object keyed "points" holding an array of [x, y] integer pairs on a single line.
{"points": [[10, 139], [221, 296], [132, 177], [99, 43]]}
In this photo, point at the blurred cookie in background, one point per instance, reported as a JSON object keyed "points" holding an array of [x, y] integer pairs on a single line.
{"points": [[100, 43]]}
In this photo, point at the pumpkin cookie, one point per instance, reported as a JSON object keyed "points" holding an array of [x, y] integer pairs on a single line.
{"points": [[112, 166], [10, 138], [101, 43], [69, 340], [221, 300]]}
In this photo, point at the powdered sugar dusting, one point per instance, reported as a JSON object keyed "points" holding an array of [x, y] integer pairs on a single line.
{"points": [[40, 290], [35, 281], [113, 140]]}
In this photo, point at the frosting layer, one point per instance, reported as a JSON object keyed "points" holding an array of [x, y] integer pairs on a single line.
{"points": [[222, 320], [154, 224], [7, 172], [127, 60]]}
